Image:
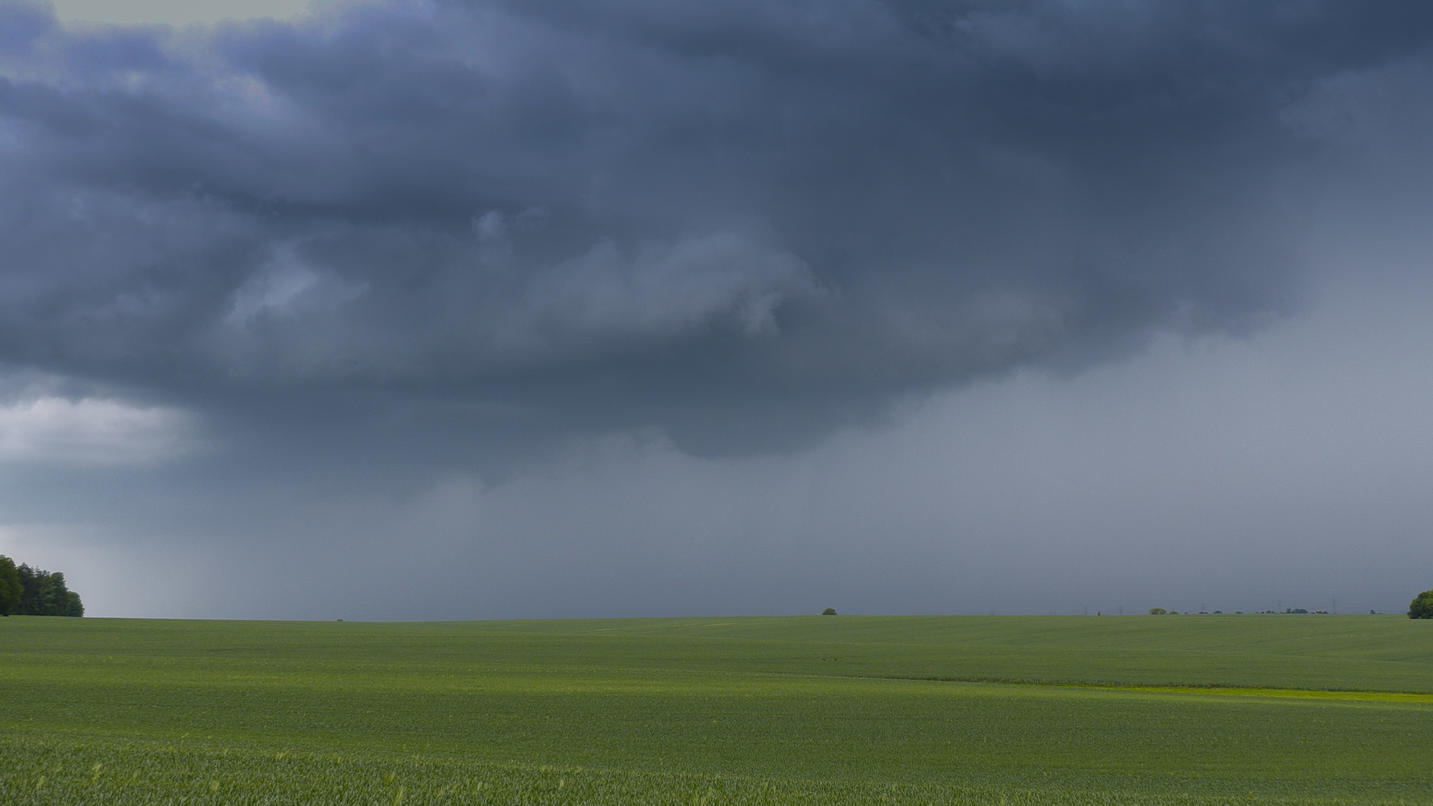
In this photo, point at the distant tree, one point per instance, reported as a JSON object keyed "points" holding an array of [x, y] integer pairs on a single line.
{"points": [[1156, 611], [830, 611], [10, 589], [1421, 606], [54, 594], [73, 605], [29, 590]]}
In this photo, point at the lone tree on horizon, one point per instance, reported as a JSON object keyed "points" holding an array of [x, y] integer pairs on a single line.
{"points": [[1421, 606]]}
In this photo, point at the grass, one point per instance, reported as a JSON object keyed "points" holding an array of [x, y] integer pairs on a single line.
{"points": [[1217, 709]]}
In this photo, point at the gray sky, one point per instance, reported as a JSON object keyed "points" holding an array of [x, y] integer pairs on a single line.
{"points": [[642, 307]]}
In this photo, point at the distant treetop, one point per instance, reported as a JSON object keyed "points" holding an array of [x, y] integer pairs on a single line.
{"points": [[1421, 606]]}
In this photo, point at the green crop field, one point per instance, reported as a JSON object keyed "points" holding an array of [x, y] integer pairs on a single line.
{"points": [[818, 710]]}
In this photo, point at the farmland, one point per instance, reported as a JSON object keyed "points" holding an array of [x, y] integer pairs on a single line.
{"points": [[1180, 709]]}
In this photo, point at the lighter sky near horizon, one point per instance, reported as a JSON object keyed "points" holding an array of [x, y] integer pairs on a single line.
{"points": [[493, 310], [175, 12]]}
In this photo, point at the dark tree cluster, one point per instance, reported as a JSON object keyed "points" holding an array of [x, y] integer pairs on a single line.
{"points": [[27, 591], [1421, 606]]}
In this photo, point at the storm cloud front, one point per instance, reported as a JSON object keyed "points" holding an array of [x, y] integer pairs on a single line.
{"points": [[509, 309]]}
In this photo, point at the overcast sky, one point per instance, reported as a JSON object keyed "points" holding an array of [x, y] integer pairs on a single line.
{"points": [[502, 308]]}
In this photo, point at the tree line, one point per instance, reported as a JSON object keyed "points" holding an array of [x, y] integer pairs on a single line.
{"points": [[26, 591]]}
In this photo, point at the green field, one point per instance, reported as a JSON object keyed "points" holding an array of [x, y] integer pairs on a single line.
{"points": [[845, 709]]}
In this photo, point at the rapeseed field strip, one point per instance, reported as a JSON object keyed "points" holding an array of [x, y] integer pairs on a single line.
{"points": [[1217, 691]]}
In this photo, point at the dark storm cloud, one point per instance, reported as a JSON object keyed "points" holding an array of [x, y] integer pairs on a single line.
{"points": [[741, 222]]}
